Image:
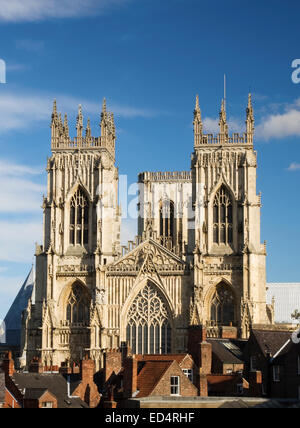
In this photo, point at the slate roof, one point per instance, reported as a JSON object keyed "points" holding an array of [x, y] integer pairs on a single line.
{"points": [[54, 383], [12, 321], [150, 375], [271, 341], [223, 350], [34, 394]]}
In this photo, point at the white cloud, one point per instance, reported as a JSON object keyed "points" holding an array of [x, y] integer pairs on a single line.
{"points": [[37, 10], [278, 126], [294, 166], [21, 111]]}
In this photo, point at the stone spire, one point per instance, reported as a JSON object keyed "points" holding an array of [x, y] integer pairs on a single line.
{"points": [[250, 120], [223, 120], [198, 125], [79, 124]]}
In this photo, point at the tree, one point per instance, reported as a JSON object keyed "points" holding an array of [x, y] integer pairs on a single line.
{"points": [[296, 315]]}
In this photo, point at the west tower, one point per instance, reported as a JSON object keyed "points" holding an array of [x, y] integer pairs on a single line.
{"points": [[81, 236]]}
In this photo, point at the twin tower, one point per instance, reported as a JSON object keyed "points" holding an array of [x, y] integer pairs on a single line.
{"points": [[197, 259]]}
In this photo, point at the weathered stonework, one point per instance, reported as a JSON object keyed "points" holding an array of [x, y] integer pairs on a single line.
{"points": [[91, 295]]}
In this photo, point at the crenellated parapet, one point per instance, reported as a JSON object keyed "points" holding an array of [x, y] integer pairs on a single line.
{"points": [[61, 140]]}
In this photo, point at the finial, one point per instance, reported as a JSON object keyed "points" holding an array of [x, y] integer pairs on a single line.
{"points": [[250, 118], [54, 113], [66, 125], [197, 103], [223, 119], [104, 106], [88, 132], [79, 124]]}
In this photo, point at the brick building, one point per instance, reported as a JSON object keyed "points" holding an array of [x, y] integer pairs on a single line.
{"points": [[44, 387]]}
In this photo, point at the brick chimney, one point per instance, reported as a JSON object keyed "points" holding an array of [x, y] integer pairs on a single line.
{"points": [[130, 376], [112, 363], [87, 370], [8, 365], [36, 366], [199, 348], [202, 385]]}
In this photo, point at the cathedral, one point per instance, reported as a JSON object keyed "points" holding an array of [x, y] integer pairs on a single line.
{"points": [[197, 260]]}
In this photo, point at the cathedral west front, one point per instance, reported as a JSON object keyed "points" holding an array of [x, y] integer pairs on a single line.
{"points": [[197, 260]]}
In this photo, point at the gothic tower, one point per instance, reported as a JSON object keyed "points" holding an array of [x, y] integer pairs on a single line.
{"points": [[229, 259], [81, 236]]}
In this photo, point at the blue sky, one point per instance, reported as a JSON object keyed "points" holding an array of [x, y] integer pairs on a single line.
{"points": [[149, 58]]}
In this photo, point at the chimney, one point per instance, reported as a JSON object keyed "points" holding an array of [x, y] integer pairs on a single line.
{"points": [[87, 370], [203, 384], [199, 348], [112, 363], [130, 376], [8, 365], [36, 366]]}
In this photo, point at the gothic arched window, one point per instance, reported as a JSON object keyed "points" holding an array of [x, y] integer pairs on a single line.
{"points": [[148, 327], [223, 306], [222, 218], [78, 304], [166, 223], [79, 219]]}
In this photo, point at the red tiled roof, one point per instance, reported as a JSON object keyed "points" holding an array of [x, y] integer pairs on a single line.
{"points": [[150, 375]]}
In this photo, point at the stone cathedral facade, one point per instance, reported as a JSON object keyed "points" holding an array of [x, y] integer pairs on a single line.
{"points": [[197, 259]]}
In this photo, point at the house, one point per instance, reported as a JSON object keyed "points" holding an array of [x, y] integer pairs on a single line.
{"points": [[285, 372], [262, 346], [227, 356], [57, 388]]}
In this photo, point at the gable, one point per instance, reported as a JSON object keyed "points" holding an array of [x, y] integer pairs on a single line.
{"points": [[149, 257]]}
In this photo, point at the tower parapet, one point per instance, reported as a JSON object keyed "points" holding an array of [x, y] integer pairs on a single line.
{"points": [[223, 138], [61, 140]]}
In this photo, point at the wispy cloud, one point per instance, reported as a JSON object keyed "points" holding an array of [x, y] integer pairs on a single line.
{"points": [[294, 166], [30, 45], [37, 10], [21, 111], [19, 193], [18, 239]]}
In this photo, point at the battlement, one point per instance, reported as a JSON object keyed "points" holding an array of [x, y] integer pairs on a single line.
{"points": [[168, 176]]}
